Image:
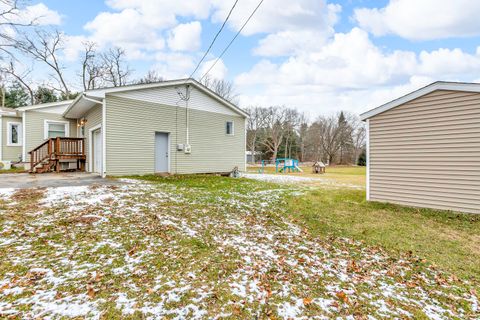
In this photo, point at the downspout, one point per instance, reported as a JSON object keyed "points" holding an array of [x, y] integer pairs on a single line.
{"points": [[187, 115], [1, 138], [104, 138], [368, 160]]}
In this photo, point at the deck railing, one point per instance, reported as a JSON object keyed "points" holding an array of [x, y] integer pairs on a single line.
{"points": [[56, 149]]}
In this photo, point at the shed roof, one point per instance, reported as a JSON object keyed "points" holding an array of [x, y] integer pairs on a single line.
{"points": [[439, 85]]}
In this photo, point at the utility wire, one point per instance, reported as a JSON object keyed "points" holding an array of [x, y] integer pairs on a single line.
{"points": [[214, 39], [233, 39]]}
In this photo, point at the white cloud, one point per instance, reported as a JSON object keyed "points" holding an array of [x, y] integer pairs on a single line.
{"points": [[127, 29], [173, 65], [421, 20], [219, 71], [163, 13], [350, 72], [186, 37], [40, 14], [291, 26]]}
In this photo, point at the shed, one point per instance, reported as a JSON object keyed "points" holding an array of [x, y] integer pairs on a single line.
{"points": [[410, 139]]}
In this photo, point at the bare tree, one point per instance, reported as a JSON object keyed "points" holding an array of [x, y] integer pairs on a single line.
{"points": [[330, 137], [151, 77], [92, 69], [223, 88], [254, 127], [46, 47], [21, 77], [359, 135], [10, 21], [302, 136], [115, 70], [274, 129], [291, 124]]}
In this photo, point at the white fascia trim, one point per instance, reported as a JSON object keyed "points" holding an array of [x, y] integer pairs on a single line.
{"points": [[45, 127], [180, 82], [452, 86], [9, 134], [368, 160], [104, 138], [90, 149], [1, 138], [8, 113], [24, 137], [45, 105]]}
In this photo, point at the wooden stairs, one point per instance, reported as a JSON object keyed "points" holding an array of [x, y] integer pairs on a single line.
{"points": [[48, 156]]}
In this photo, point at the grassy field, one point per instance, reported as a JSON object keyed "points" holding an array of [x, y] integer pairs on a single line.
{"points": [[203, 247], [449, 240], [336, 175]]}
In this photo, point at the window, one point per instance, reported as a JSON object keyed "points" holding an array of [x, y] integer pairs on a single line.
{"points": [[55, 129], [14, 134], [229, 128]]}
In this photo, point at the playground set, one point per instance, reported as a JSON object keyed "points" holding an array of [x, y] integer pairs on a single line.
{"points": [[282, 165]]}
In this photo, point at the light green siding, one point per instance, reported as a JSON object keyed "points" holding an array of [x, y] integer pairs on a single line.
{"points": [[8, 152], [94, 118], [130, 137], [35, 127]]}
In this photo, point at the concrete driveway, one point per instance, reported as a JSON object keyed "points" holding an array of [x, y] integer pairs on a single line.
{"points": [[64, 179]]}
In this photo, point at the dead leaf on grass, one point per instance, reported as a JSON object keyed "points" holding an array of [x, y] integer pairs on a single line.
{"points": [[90, 291], [342, 296]]}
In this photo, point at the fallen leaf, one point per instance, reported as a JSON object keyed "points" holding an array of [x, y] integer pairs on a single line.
{"points": [[90, 291], [342, 296], [307, 301]]}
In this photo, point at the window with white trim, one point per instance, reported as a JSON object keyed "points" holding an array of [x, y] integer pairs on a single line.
{"points": [[229, 128], [55, 129], [14, 134]]}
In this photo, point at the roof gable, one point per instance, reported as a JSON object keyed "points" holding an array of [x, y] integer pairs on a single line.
{"points": [[440, 85], [144, 92]]}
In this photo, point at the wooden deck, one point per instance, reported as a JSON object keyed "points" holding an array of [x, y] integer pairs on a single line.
{"points": [[48, 156]]}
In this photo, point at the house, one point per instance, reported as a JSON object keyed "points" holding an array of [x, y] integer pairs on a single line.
{"points": [[176, 127], [423, 149]]}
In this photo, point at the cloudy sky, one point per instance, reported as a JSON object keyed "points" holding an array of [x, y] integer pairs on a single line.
{"points": [[315, 55]]}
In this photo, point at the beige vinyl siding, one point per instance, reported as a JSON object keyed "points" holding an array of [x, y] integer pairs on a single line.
{"points": [[35, 126], [94, 118], [130, 136], [426, 152], [11, 153]]}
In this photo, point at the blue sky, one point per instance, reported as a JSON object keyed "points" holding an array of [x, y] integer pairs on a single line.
{"points": [[315, 55]]}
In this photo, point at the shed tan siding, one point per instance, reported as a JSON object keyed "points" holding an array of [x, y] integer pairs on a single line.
{"points": [[11, 153], [94, 118], [426, 152], [130, 136], [35, 127]]}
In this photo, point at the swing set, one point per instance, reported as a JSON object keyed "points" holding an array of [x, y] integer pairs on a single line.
{"points": [[282, 165]]}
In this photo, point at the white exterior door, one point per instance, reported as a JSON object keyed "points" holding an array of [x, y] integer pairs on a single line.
{"points": [[97, 151], [161, 152]]}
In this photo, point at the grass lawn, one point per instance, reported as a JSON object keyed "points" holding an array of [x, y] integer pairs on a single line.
{"points": [[206, 247], [449, 240], [13, 170], [335, 176]]}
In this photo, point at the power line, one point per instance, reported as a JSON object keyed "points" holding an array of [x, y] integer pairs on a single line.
{"points": [[214, 39], [233, 39]]}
